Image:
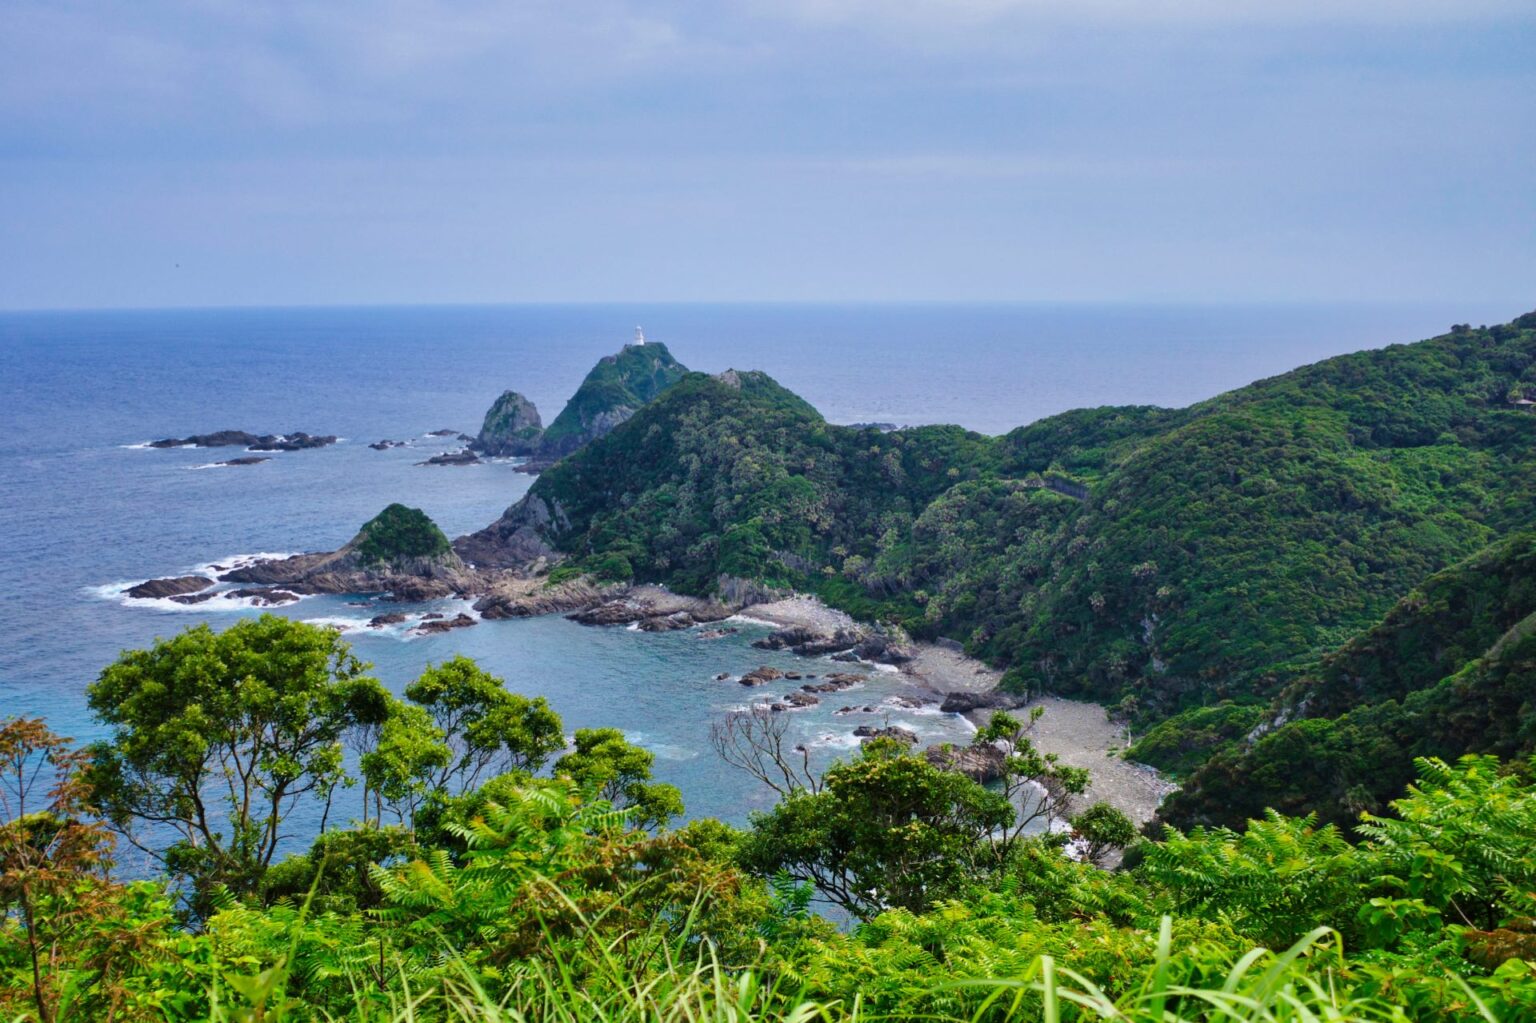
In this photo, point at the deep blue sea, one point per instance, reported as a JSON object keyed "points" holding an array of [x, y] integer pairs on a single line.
{"points": [[85, 510]]}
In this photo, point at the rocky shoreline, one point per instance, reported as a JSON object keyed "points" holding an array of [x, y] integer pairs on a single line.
{"points": [[937, 674]]}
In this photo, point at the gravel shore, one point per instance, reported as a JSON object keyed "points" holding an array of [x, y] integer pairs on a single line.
{"points": [[1080, 733]]}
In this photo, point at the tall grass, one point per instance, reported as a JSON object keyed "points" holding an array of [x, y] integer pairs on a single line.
{"points": [[602, 985]]}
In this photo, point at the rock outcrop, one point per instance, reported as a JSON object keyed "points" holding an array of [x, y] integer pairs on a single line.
{"points": [[462, 457], [993, 699], [900, 734], [400, 551], [512, 427], [528, 598], [295, 441], [157, 589], [981, 762], [808, 642], [459, 621]]}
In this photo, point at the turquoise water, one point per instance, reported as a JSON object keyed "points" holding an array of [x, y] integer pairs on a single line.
{"points": [[84, 511]]}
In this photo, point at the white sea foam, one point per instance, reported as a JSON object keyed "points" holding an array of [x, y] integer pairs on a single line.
{"points": [[142, 445], [219, 599], [236, 561], [346, 626], [927, 710], [110, 591], [749, 620]]}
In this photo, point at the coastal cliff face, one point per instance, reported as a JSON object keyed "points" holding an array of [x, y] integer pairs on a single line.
{"points": [[512, 427], [519, 541]]}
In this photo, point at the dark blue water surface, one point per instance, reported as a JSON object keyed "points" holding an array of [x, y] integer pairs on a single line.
{"points": [[83, 511]]}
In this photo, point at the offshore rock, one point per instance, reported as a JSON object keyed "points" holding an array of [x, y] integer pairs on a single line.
{"points": [[295, 441], [512, 427], [761, 676], [175, 587], [264, 597], [464, 457], [460, 621], [900, 734], [964, 703]]}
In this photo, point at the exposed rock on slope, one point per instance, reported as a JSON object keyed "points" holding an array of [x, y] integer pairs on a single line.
{"points": [[517, 540]]}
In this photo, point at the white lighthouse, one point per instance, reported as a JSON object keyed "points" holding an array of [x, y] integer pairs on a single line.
{"points": [[639, 341]]}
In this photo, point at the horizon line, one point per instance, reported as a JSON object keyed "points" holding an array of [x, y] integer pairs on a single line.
{"points": [[1184, 303]]}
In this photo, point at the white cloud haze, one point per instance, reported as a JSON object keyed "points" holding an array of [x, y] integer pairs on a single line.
{"points": [[428, 150]]}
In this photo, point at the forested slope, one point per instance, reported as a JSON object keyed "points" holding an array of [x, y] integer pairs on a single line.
{"points": [[1184, 557], [1450, 670]]}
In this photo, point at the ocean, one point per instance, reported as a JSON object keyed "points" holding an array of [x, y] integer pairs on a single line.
{"points": [[86, 509]]}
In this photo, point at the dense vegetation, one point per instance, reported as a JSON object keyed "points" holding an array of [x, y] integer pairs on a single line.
{"points": [[1181, 564], [398, 535], [484, 879], [1451, 669], [610, 393]]}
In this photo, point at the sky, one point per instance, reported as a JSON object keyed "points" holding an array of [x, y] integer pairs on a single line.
{"points": [[263, 152]]}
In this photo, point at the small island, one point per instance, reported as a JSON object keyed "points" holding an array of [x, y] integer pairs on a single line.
{"points": [[296, 441]]}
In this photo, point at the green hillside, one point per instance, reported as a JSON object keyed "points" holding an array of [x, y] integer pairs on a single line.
{"points": [[614, 389], [1450, 670], [1164, 560], [398, 535]]}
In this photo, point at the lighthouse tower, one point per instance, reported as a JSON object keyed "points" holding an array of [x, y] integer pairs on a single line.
{"points": [[639, 341]]}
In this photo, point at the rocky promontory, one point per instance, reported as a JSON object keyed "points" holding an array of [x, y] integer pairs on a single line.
{"points": [[615, 389], [400, 551]]}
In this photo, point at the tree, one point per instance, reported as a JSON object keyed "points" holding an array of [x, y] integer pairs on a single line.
{"points": [[1037, 785], [47, 849], [217, 736], [888, 829], [1273, 882], [486, 727], [619, 771], [1104, 828], [408, 751], [1479, 867], [755, 741]]}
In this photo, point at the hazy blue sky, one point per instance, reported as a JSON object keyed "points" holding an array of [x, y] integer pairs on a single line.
{"points": [[155, 152]]}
